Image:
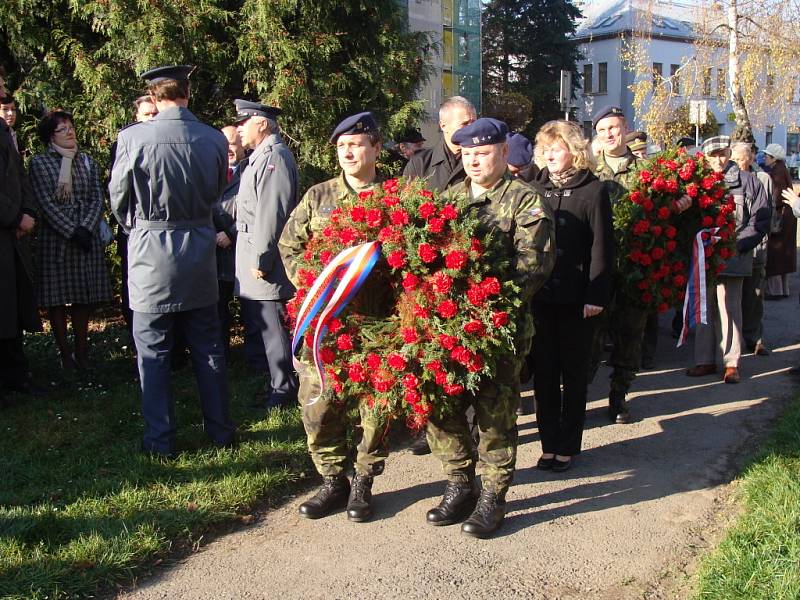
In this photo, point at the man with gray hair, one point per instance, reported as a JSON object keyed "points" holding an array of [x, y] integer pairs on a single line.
{"points": [[268, 192], [441, 165], [753, 286]]}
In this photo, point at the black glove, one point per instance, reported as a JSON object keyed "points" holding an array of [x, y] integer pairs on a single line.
{"points": [[82, 238]]}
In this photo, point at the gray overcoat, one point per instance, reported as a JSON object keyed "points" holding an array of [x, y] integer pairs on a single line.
{"points": [[224, 213], [268, 192], [752, 219], [167, 175]]}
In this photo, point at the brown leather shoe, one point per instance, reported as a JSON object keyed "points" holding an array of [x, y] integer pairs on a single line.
{"points": [[701, 370], [761, 350], [731, 375]]}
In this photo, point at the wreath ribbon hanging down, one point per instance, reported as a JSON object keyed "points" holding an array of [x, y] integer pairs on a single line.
{"points": [[334, 288], [695, 304]]}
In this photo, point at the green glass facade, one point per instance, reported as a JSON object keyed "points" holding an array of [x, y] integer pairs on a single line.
{"points": [[461, 50]]}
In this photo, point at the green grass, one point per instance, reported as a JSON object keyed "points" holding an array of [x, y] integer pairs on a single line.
{"points": [[759, 558], [81, 510]]}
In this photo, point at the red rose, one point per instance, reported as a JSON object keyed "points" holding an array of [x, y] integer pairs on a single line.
{"points": [[436, 225], [447, 309], [382, 382], [365, 194], [645, 176], [396, 361], [657, 253], [456, 259], [656, 230], [721, 220], [356, 373], [491, 286], [412, 396], [499, 318], [663, 213], [476, 295], [421, 312], [410, 335], [373, 361], [692, 190], [441, 283], [390, 185], [663, 307], [347, 236], [410, 381], [643, 284], [440, 377], [725, 253], [327, 355], [396, 259], [426, 193], [374, 217], [647, 297], [659, 184], [476, 246], [461, 355], [665, 292], [708, 182], [358, 214], [679, 281], [641, 227], [399, 217], [678, 267], [453, 389], [671, 165], [434, 366], [670, 232], [308, 255], [327, 231], [475, 364], [325, 257], [636, 197], [410, 282], [391, 201], [427, 253], [448, 342], [427, 210], [645, 260], [344, 342], [421, 409], [671, 246], [448, 212], [707, 221], [475, 327]]}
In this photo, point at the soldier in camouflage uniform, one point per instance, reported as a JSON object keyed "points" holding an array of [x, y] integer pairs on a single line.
{"points": [[625, 321], [518, 220], [358, 144]]}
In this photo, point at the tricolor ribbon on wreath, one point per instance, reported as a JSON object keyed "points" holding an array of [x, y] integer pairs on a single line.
{"points": [[332, 291], [695, 303]]}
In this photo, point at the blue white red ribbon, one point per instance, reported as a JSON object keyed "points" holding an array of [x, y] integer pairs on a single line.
{"points": [[329, 295], [695, 303]]}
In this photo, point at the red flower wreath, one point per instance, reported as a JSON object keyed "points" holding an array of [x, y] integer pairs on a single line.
{"points": [[445, 303]]}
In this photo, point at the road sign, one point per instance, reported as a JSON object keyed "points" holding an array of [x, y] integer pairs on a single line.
{"points": [[698, 112]]}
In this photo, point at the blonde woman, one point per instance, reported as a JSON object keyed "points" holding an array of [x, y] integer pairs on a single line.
{"points": [[579, 288]]}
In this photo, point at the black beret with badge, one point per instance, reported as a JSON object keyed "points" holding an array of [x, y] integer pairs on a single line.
{"points": [[363, 122], [246, 109], [483, 132], [520, 150], [176, 72], [606, 111]]}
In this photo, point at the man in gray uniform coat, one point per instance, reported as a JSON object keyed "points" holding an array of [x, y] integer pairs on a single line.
{"points": [[268, 192], [167, 175]]}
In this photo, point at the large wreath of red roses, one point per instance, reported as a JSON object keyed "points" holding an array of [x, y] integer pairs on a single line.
{"points": [[656, 242], [434, 315]]}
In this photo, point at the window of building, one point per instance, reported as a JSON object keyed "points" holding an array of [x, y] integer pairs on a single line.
{"points": [[447, 46], [588, 72], [602, 78], [722, 83], [673, 76], [768, 135], [588, 130], [707, 81], [658, 73]]}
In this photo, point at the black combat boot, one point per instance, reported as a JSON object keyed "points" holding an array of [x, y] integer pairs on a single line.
{"points": [[458, 501], [618, 408], [332, 494], [359, 505], [487, 516]]}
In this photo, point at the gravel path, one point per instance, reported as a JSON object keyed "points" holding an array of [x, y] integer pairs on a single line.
{"points": [[622, 523]]}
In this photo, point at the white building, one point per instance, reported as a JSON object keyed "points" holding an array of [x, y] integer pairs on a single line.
{"points": [[608, 80]]}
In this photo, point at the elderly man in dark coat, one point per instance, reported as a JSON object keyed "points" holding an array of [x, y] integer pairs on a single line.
{"points": [[168, 174], [17, 303]]}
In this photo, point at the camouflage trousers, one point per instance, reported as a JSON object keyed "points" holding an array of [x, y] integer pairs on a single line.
{"points": [[326, 426], [626, 323], [495, 405]]}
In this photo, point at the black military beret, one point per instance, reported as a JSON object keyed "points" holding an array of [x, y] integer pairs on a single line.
{"points": [[176, 72], [246, 109], [606, 111], [363, 122], [520, 150], [410, 136], [483, 132]]}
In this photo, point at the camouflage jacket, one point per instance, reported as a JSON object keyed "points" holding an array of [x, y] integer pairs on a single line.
{"points": [[620, 182], [514, 214]]}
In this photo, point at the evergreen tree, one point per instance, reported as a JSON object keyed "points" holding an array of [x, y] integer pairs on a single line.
{"points": [[318, 61], [525, 46]]}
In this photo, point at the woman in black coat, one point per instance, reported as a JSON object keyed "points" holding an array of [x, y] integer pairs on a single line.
{"points": [[578, 289]]}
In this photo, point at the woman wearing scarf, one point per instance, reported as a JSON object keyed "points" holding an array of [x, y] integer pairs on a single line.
{"points": [[578, 289], [71, 263]]}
